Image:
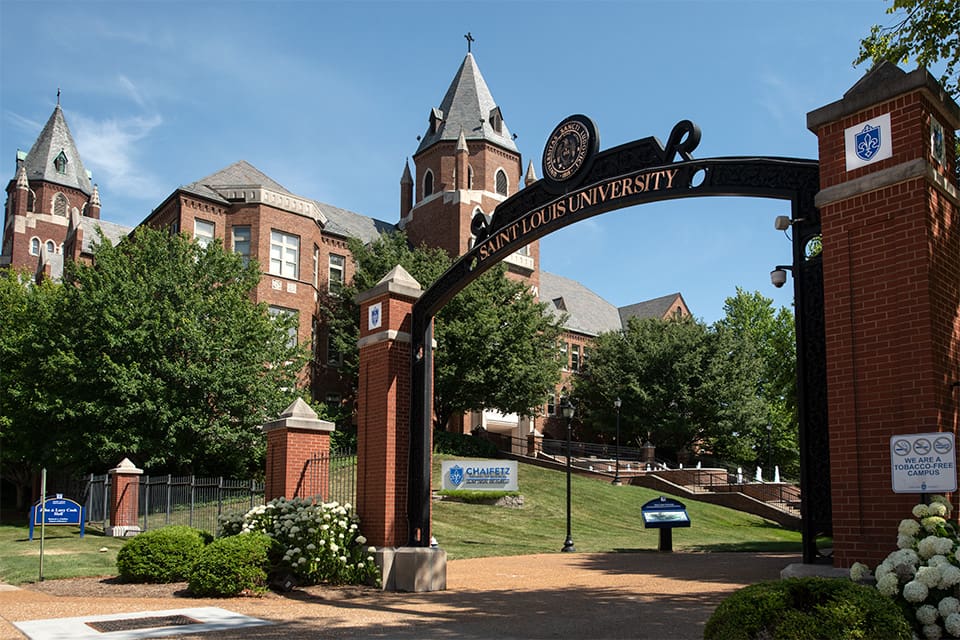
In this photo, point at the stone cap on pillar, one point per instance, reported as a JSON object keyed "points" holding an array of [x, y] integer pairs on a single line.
{"points": [[126, 468], [398, 282], [299, 415]]}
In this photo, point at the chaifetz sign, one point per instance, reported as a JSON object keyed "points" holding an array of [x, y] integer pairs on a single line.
{"points": [[923, 463], [479, 475]]}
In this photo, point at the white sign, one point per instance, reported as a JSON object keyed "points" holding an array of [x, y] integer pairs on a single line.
{"points": [[868, 142], [923, 463], [479, 475], [375, 316]]}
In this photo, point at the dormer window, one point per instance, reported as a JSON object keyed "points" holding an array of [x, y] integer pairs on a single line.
{"points": [[436, 120], [60, 162], [496, 120]]}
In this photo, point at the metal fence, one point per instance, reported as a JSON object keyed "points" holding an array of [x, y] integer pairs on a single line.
{"points": [[199, 502]]}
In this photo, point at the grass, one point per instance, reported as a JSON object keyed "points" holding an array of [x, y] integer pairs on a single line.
{"points": [[65, 554], [604, 518]]}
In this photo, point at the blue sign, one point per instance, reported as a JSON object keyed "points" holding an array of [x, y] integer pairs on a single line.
{"points": [[57, 511], [456, 475], [868, 142], [478, 475], [664, 513]]}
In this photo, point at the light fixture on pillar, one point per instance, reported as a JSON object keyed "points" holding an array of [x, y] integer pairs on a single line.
{"points": [[567, 410], [778, 277], [616, 475]]}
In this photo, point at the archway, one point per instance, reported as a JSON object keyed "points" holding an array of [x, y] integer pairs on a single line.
{"points": [[581, 182]]}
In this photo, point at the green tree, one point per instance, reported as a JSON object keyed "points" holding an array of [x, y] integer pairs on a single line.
{"points": [[163, 357], [767, 336], [927, 31], [496, 344], [682, 385], [27, 311]]}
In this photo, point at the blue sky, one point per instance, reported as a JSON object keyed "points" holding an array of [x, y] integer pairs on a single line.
{"points": [[328, 98]]}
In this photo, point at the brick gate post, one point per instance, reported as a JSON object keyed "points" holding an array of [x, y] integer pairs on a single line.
{"points": [[293, 439], [124, 499], [383, 396], [891, 255]]}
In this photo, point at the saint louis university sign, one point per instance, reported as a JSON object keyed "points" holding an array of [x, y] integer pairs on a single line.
{"points": [[579, 182]]}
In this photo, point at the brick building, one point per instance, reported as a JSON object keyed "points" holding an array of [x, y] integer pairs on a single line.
{"points": [[466, 162]]}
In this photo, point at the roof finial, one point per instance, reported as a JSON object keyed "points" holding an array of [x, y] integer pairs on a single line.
{"points": [[470, 40], [58, 96]]}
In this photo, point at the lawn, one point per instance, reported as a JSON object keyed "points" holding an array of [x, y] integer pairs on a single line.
{"points": [[604, 518]]}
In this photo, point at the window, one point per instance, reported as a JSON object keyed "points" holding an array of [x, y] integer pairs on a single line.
{"points": [[203, 232], [60, 204], [334, 357], [563, 355], [316, 266], [551, 404], [284, 254], [575, 357], [333, 400], [469, 177], [281, 312], [51, 247], [34, 246], [428, 184], [241, 243], [501, 182], [60, 163], [335, 278], [174, 227]]}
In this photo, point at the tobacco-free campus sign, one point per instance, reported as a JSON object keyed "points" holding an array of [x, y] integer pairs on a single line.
{"points": [[479, 475], [923, 463]]}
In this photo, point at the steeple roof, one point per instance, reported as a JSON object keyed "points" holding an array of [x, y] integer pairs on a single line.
{"points": [[468, 105], [43, 161]]}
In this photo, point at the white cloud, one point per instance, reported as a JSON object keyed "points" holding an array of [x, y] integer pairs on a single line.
{"points": [[111, 149]]}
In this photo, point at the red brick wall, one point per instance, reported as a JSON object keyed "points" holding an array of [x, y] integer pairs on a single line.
{"points": [[124, 499], [288, 453], [891, 256]]}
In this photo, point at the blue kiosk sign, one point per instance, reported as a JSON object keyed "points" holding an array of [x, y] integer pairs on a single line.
{"points": [[57, 511]]}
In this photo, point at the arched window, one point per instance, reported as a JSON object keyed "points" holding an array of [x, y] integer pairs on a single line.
{"points": [[428, 184], [60, 204], [501, 182], [34, 246], [469, 177], [51, 246]]}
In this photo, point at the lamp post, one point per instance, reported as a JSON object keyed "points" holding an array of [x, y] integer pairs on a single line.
{"points": [[616, 475], [567, 409]]}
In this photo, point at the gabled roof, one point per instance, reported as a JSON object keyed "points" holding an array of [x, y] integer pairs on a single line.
{"points": [[111, 231], [656, 308], [467, 105], [53, 140], [348, 224], [240, 173], [586, 312]]}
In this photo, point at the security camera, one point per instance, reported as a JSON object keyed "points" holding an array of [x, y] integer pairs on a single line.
{"points": [[782, 223], [778, 277]]}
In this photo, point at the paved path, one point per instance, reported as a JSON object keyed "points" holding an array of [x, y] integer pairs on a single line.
{"points": [[581, 595]]}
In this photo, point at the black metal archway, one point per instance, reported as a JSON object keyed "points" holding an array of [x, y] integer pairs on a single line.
{"points": [[581, 182]]}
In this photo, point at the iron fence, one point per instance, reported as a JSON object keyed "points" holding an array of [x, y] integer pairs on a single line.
{"points": [[330, 477]]}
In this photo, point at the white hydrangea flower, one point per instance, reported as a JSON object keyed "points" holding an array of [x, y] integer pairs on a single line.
{"points": [[952, 624], [883, 569], [888, 585], [932, 632], [947, 606], [920, 511], [905, 542], [361, 540], [311, 547], [915, 591], [937, 509], [301, 560], [949, 576], [371, 549], [334, 548], [369, 558], [932, 523], [908, 527], [343, 559], [927, 614], [929, 576], [347, 506], [859, 571]]}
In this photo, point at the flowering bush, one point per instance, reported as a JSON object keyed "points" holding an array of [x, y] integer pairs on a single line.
{"points": [[923, 575], [320, 542]]}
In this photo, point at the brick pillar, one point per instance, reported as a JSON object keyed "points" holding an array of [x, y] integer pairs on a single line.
{"points": [[383, 420], [891, 258], [124, 500], [298, 454]]}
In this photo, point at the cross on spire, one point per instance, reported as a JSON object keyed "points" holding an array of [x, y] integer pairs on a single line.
{"points": [[470, 40], [58, 96]]}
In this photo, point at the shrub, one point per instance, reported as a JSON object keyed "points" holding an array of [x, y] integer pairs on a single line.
{"points": [[923, 575], [318, 542], [234, 565], [161, 555], [459, 444], [807, 609]]}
